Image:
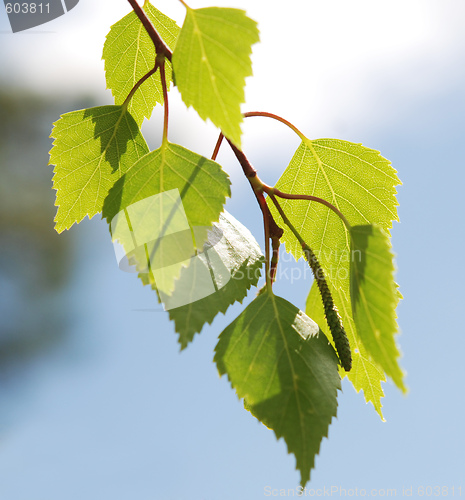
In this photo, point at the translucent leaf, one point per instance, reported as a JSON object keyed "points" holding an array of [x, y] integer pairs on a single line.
{"points": [[279, 362], [361, 184], [357, 180], [229, 264], [129, 54], [374, 297], [92, 149], [365, 374], [233, 260], [211, 61], [154, 209]]}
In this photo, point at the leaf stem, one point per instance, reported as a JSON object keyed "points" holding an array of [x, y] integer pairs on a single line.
{"points": [[287, 221], [275, 117], [270, 190], [165, 101], [217, 147], [185, 4], [160, 46], [138, 84]]}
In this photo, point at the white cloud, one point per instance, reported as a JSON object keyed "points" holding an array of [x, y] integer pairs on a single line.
{"points": [[321, 63]]}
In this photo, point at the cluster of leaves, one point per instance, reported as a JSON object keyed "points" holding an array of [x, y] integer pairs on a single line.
{"points": [[165, 207]]}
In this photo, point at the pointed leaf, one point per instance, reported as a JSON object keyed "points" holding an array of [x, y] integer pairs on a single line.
{"points": [[154, 209], [374, 297], [211, 61], [355, 179], [92, 149], [233, 260], [279, 362], [220, 275], [129, 54]]}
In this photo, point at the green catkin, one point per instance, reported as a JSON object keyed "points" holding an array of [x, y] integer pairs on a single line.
{"points": [[332, 316]]}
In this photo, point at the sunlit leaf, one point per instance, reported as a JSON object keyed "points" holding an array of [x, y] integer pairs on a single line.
{"points": [[362, 185], [211, 61], [374, 297], [220, 275], [283, 366], [154, 209], [129, 54], [92, 149], [231, 262]]}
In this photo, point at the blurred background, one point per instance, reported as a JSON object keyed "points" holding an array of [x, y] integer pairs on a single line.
{"points": [[96, 401]]}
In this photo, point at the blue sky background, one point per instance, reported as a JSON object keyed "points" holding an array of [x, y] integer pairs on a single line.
{"points": [[113, 410]]}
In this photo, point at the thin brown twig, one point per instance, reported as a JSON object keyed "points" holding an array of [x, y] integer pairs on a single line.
{"points": [[275, 244], [255, 182], [160, 46], [247, 168], [217, 147], [272, 230], [275, 117], [268, 189], [165, 101], [308, 197], [139, 83], [266, 226]]}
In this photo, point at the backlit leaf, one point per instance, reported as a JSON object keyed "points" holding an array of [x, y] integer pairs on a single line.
{"points": [[129, 54], [278, 360], [162, 209], [233, 261], [92, 149], [374, 297], [211, 61]]}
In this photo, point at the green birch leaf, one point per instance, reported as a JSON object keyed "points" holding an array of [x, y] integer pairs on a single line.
{"points": [[277, 359], [374, 297], [211, 61], [129, 54], [92, 149], [355, 179], [220, 275], [365, 374], [231, 262], [154, 209], [362, 185]]}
